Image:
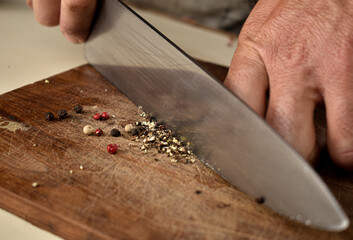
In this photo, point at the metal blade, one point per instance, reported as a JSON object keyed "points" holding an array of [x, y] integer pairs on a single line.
{"points": [[228, 136]]}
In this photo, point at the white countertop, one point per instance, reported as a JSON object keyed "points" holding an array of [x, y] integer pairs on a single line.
{"points": [[30, 52]]}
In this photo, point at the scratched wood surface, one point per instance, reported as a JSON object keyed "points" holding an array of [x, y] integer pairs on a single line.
{"points": [[128, 195]]}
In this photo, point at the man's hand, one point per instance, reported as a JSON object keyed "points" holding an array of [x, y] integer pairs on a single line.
{"points": [[302, 52], [73, 16]]}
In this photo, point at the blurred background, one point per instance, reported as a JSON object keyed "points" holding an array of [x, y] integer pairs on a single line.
{"points": [[227, 15], [205, 29]]}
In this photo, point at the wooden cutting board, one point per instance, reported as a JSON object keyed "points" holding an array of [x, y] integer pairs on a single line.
{"points": [[129, 195]]}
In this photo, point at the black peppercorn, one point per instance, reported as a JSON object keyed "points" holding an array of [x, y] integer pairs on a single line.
{"points": [[260, 200], [198, 191], [134, 132], [78, 108], [49, 116], [62, 114], [115, 132], [13, 118]]}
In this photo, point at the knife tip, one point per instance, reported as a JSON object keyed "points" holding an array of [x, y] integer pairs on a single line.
{"points": [[342, 225]]}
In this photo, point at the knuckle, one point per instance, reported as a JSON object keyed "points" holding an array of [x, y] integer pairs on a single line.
{"points": [[261, 41], [249, 37], [29, 3], [78, 5]]}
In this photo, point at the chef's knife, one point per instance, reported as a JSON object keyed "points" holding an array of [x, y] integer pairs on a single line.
{"points": [[227, 135]]}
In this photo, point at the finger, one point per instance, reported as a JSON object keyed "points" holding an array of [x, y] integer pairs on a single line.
{"points": [[247, 78], [291, 114], [47, 12], [339, 114], [76, 18], [29, 3]]}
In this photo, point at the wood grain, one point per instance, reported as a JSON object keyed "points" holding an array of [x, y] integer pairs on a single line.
{"points": [[128, 195]]}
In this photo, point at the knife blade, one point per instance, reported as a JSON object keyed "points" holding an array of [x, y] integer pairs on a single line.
{"points": [[225, 133]]}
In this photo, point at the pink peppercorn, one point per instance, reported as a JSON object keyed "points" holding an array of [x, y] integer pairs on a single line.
{"points": [[112, 148], [105, 115], [98, 132], [97, 116]]}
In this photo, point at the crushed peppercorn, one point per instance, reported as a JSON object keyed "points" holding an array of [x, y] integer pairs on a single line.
{"points": [[154, 134], [223, 205]]}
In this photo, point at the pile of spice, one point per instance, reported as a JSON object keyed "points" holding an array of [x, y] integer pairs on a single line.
{"points": [[154, 134], [150, 132]]}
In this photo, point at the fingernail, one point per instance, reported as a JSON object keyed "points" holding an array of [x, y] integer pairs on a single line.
{"points": [[344, 160], [72, 38]]}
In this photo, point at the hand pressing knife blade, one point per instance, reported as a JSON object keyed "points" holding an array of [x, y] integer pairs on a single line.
{"points": [[156, 74]]}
